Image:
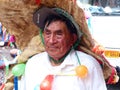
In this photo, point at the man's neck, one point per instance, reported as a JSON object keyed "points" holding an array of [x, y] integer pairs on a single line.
{"points": [[58, 62]]}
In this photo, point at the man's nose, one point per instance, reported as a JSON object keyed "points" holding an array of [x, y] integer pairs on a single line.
{"points": [[52, 38]]}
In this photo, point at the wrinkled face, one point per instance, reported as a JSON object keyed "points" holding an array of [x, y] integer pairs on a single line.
{"points": [[57, 39]]}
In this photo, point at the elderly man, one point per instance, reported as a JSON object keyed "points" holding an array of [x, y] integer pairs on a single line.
{"points": [[60, 35]]}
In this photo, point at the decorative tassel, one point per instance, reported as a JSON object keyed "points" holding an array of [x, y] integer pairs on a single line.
{"points": [[2, 86], [38, 2]]}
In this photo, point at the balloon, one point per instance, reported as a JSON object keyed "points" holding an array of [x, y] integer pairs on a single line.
{"points": [[81, 71], [18, 69], [47, 83]]}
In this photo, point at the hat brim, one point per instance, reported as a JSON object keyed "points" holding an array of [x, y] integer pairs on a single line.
{"points": [[40, 15]]}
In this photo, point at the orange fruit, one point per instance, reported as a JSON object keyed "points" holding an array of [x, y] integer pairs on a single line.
{"points": [[81, 71]]}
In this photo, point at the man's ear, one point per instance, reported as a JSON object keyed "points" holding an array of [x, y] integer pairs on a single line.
{"points": [[75, 37], [75, 41]]}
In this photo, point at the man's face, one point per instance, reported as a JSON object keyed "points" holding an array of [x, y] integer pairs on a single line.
{"points": [[58, 40]]}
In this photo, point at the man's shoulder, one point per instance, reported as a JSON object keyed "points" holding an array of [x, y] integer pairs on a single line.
{"points": [[87, 59], [37, 57], [42, 54], [86, 56]]}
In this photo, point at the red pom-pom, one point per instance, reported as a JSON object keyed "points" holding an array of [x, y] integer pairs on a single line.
{"points": [[47, 83]]}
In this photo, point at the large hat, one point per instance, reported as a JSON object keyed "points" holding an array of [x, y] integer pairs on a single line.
{"points": [[41, 14]]}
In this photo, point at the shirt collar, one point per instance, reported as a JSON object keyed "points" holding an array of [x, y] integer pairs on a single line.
{"points": [[70, 60]]}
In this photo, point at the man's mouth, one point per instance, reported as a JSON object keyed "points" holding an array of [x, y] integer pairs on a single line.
{"points": [[52, 48]]}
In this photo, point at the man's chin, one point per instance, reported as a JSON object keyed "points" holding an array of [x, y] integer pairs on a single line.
{"points": [[53, 54]]}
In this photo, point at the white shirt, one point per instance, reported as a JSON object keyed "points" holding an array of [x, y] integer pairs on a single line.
{"points": [[38, 67]]}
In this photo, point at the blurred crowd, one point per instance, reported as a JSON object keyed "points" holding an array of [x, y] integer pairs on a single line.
{"points": [[6, 39], [8, 51]]}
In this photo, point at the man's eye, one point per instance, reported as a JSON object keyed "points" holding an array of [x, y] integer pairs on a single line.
{"points": [[59, 33], [47, 32]]}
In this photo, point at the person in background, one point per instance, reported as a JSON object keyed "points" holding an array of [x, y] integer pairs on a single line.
{"points": [[12, 41], [56, 68]]}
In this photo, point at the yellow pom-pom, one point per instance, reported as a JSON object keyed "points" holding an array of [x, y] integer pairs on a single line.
{"points": [[81, 71]]}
